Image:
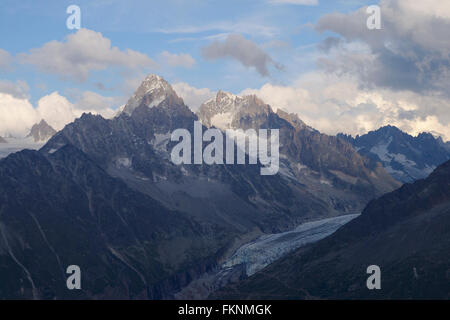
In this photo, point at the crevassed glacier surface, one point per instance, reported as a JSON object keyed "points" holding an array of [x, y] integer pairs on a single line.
{"points": [[268, 248]]}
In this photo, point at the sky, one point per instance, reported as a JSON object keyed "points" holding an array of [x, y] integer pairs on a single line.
{"points": [[316, 58]]}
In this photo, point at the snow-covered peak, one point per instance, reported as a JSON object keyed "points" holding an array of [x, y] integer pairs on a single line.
{"points": [[223, 97], [154, 82], [152, 91], [225, 106]]}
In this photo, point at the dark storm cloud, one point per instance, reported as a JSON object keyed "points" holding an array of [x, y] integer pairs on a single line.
{"points": [[410, 52]]}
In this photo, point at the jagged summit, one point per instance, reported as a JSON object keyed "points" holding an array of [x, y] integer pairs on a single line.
{"points": [[152, 92], [41, 131], [224, 110], [293, 119], [405, 157]]}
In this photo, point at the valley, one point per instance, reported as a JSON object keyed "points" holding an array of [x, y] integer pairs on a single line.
{"points": [[257, 254]]}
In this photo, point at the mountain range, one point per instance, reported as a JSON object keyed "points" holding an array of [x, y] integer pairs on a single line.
{"points": [[406, 233], [104, 194], [323, 163], [405, 157]]}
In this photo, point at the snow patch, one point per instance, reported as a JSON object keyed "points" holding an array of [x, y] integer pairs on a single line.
{"points": [[222, 120], [401, 158], [123, 162], [160, 141], [381, 150]]}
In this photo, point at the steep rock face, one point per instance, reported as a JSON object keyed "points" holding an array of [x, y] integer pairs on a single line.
{"points": [[322, 163], [3, 140], [41, 131], [62, 209], [405, 157], [405, 232]]}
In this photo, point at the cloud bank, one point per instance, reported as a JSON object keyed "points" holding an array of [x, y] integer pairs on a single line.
{"points": [[334, 104], [410, 52], [19, 115]]}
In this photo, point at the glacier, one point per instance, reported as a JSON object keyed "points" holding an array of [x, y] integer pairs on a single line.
{"points": [[258, 254], [255, 255]]}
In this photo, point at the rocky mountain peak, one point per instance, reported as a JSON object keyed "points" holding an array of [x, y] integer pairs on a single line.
{"points": [[225, 109], [3, 140], [223, 97], [293, 119], [405, 157], [152, 92], [41, 131]]}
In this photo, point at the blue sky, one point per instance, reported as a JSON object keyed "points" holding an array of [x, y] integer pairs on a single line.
{"points": [[152, 27], [316, 58]]}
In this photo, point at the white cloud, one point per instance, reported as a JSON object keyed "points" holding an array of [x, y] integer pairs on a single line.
{"points": [[335, 104], [284, 97], [81, 53], [177, 60], [18, 114], [56, 110], [92, 101], [436, 8], [193, 97]]}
